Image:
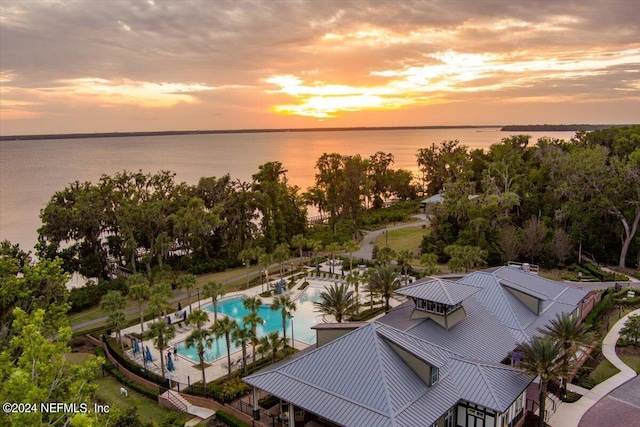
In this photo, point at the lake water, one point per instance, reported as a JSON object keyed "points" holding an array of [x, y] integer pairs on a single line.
{"points": [[32, 171]]}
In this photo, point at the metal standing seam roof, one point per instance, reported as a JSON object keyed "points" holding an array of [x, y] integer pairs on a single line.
{"points": [[439, 290], [494, 386]]}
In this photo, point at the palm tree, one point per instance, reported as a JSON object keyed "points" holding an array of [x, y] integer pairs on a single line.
{"points": [[201, 338], [198, 318], [351, 246], [353, 278], [298, 241], [385, 255], [214, 290], [241, 336], [139, 291], [316, 248], [114, 303], [252, 319], [539, 357], [404, 257], [286, 307], [159, 299], [569, 332], [264, 259], [271, 342], [224, 328], [188, 282], [337, 301], [246, 256], [332, 248], [163, 333], [385, 281], [281, 254]]}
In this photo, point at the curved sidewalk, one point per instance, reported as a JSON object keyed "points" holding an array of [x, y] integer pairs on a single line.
{"points": [[569, 414]]}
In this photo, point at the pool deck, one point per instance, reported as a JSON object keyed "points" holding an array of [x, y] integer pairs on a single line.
{"points": [[187, 371]]}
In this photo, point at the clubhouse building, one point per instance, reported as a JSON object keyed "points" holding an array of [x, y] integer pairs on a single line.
{"points": [[443, 358]]}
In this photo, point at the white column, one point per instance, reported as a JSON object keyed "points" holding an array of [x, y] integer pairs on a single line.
{"points": [[292, 416]]}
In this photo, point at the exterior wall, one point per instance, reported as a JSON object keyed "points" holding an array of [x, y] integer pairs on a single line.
{"points": [[439, 319], [590, 301], [324, 336], [528, 300], [422, 369], [471, 415], [456, 317]]}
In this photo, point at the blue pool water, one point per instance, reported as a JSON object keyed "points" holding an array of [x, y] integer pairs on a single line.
{"points": [[304, 318]]}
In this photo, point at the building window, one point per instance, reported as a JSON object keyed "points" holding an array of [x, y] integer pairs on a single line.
{"points": [[448, 419], [420, 304], [435, 375]]}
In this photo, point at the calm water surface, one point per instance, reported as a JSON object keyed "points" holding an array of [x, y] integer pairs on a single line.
{"points": [[32, 171]]}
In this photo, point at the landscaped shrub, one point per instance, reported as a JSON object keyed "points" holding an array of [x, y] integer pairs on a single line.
{"points": [[230, 420], [268, 402], [228, 390], [604, 306], [90, 295], [367, 314]]}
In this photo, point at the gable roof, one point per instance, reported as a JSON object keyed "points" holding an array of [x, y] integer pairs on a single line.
{"points": [[439, 290], [358, 379]]}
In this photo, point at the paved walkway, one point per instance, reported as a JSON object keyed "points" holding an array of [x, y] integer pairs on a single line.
{"points": [[570, 414], [369, 239]]}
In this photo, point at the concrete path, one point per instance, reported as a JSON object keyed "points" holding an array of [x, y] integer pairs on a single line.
{"points": [[369, 239], [570, 414]]}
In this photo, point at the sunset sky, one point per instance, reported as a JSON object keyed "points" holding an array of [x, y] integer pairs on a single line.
{"points": [[116, 65]]}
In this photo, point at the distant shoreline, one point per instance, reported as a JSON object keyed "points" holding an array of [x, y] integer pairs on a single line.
{"points": [[220, 131], [516, 128]]}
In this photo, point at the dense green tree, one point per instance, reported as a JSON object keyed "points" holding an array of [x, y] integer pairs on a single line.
{"points": [[194, 224], [282, 210], [605, 178], [631, 329], [34, 370], [440, 164], [225, 327], [30, 285], [466, 257], [337, 301], [430, 263]]}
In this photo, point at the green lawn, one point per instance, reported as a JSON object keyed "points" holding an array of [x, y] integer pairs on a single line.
{"points": [[404, 238], [603, 371], [109, 392], [632, 361]]}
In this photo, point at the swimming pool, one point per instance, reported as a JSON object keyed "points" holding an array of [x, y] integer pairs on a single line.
{"points": [[304, 318]]}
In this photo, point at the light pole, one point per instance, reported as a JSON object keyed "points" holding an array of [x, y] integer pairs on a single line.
{"points": [[293, 341], [198, 289]]}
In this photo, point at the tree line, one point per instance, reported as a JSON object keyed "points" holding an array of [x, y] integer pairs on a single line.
{"points": [[142, 220], [543, 203]]}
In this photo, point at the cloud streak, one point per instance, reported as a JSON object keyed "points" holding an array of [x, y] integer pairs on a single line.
{"points": [[285, 63]]}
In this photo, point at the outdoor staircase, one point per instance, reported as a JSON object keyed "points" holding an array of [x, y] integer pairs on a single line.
{"points": [[183, 405]]}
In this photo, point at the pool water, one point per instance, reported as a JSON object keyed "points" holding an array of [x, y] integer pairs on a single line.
{"points": [[304, 317]]}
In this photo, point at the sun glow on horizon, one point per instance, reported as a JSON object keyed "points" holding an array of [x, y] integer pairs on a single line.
{"points": [[452, 73]]}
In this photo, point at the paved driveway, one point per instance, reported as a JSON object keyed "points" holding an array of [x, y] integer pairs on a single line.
{"points": [[620, 408]]}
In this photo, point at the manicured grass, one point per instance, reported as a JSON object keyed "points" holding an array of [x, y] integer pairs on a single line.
{"points": [[404, 238], [632, 361], [76, 358], [603, 371], [149, 410]]}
